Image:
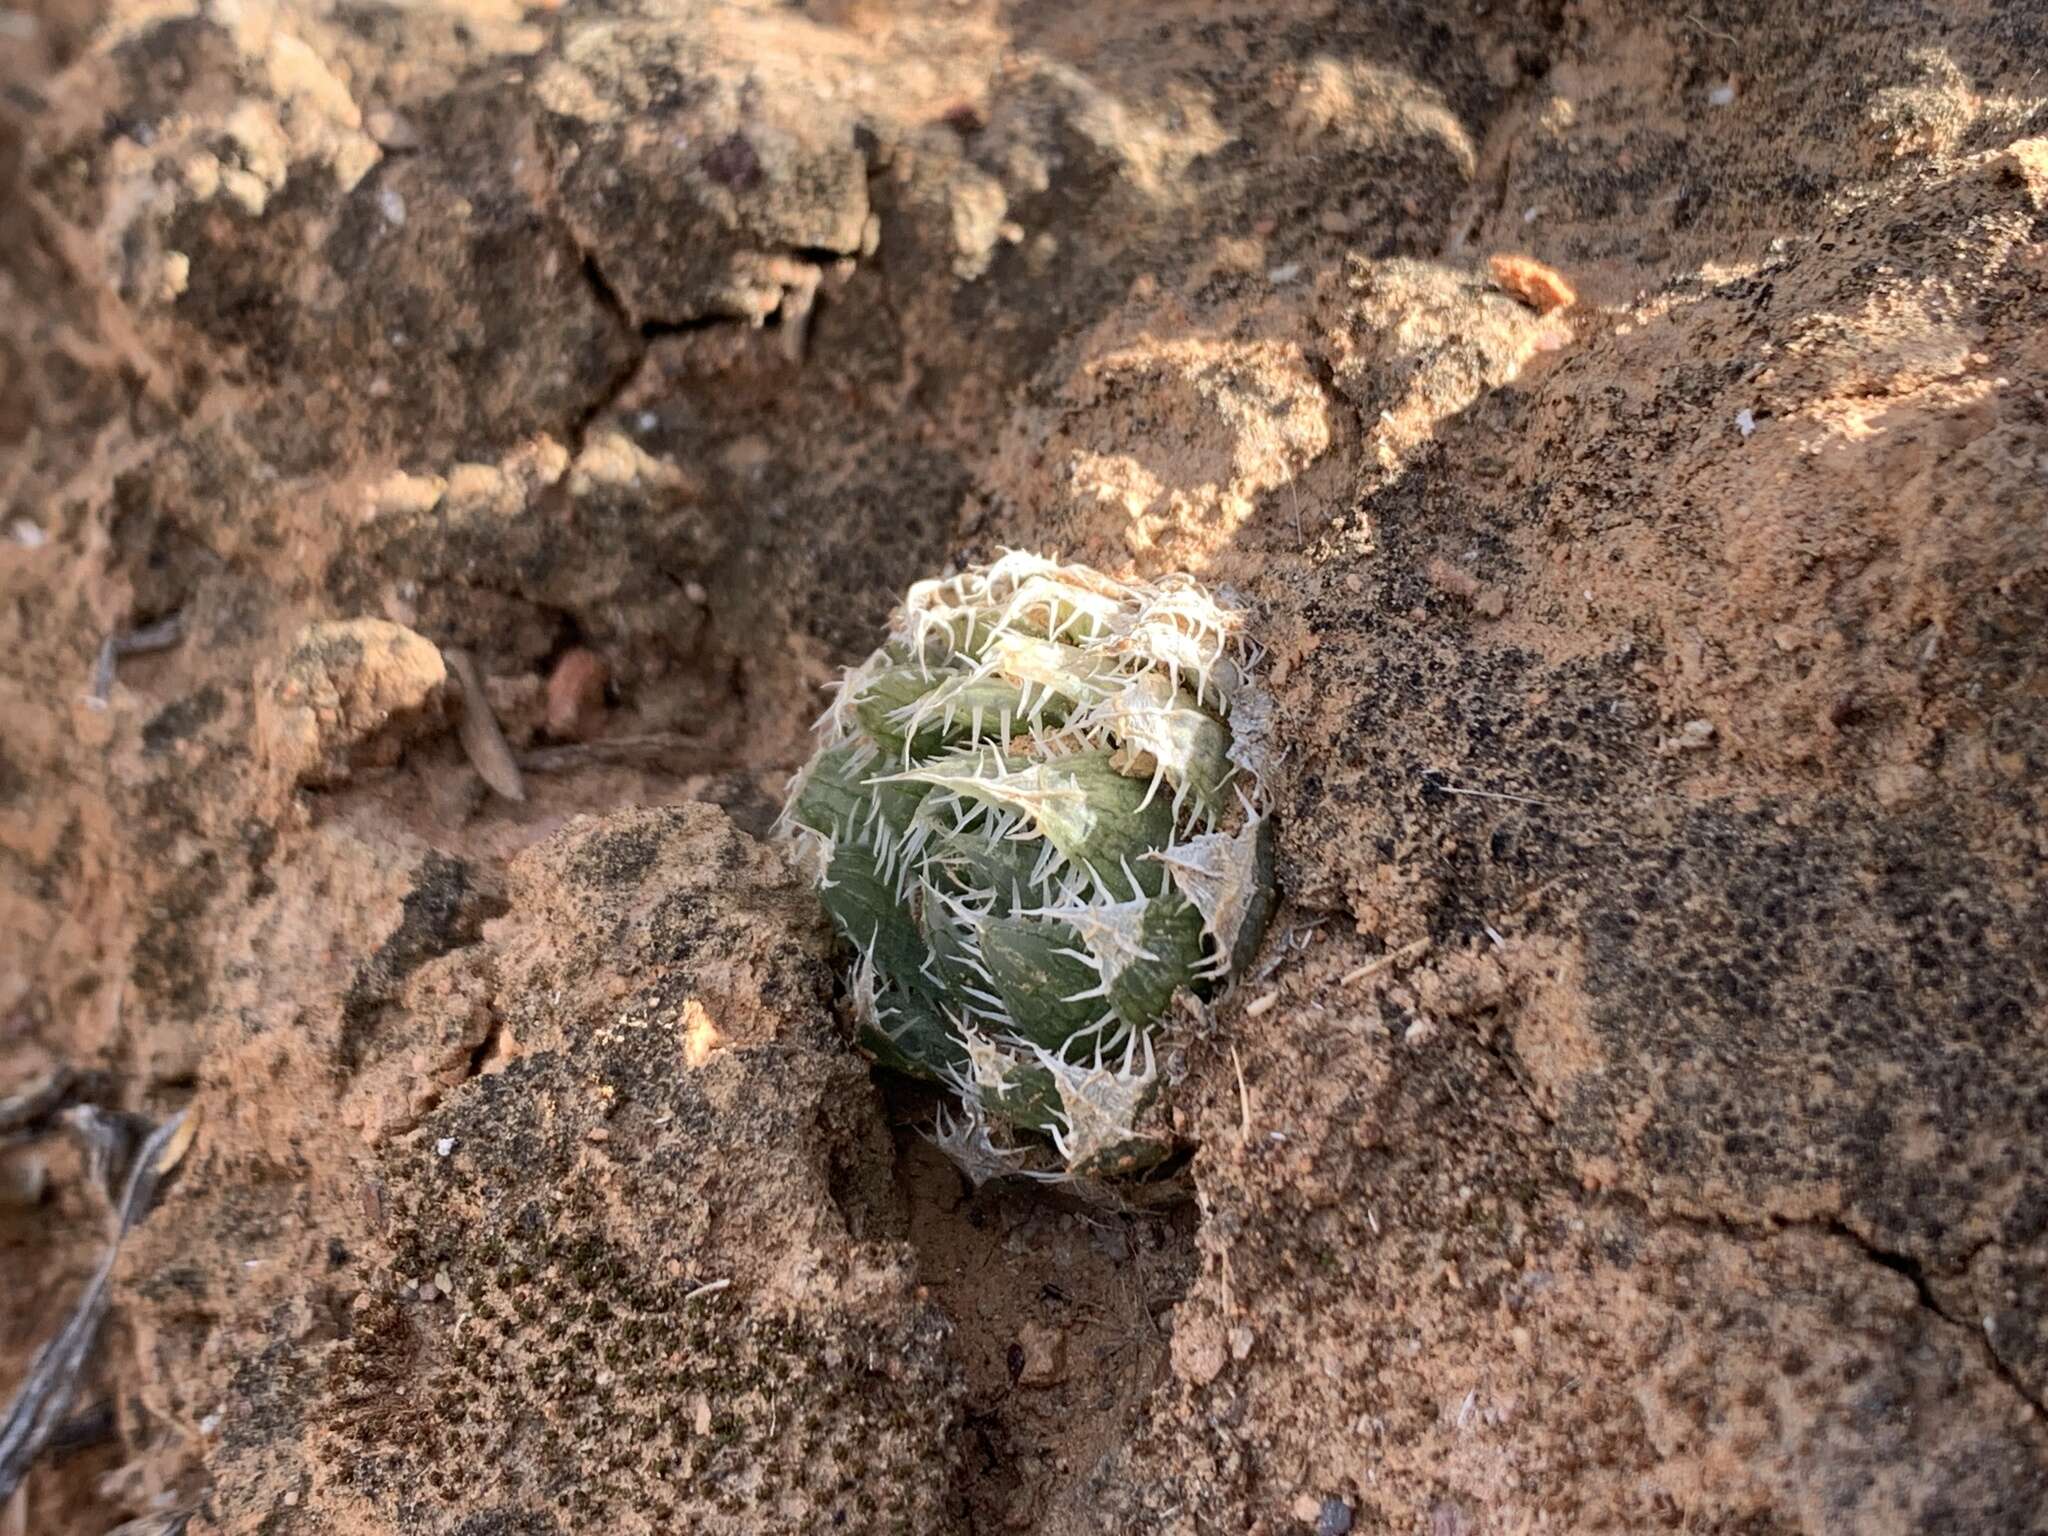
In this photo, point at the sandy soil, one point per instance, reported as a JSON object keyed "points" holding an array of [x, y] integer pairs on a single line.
{"points": [[1639, 1118]]}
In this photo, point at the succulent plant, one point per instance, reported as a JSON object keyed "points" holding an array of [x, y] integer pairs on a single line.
{"points": [[1036, 814]]}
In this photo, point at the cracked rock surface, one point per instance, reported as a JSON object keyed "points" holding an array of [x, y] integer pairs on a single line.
{"points": [[1638, 1118]]}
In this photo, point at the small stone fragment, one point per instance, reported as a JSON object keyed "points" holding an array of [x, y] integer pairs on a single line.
{"points": [[1542, 288], [576, 695], [700, 1034], [1693, 736], [1044, 1356], [1449, 579], [391, 130]]}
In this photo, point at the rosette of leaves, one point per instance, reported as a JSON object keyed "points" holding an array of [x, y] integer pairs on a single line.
{"points": [[1036, 814]]}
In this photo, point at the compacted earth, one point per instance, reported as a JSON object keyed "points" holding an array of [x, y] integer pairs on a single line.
{"points": [[1624, 426]]}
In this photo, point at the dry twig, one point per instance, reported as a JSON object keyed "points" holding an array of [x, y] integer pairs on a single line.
{"points": [[160, 636], [1407, 954], [1244, 1103], [45, 1397]]}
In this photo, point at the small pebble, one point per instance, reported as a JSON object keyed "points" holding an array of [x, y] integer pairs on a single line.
{"points": [[1334, 1518], [391, 130], [1038, 1358], [444, 1146], [1695, 735], [1543, 288], [576, 695], [1745, 422]]}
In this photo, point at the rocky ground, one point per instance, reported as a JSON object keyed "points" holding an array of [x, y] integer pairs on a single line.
{"points": [[1639, 1119]]}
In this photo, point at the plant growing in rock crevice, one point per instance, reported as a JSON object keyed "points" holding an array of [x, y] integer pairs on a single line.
{"points": [[1036, 814]]}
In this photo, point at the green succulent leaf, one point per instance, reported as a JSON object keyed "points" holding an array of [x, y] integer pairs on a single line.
{"points": [[1032, 823]]}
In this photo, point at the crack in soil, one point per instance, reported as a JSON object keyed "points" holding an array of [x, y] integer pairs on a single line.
{"points": [[1499, 1044], [1060, 1312], [623, 376], [1916, 1272]]}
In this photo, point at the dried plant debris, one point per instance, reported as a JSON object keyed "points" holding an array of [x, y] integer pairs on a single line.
{"points": [[24, 1114], [482, 740], [1034, 823], [40, 1407], [170, 1523], [160, 636]]}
